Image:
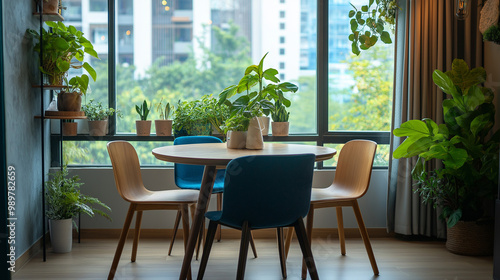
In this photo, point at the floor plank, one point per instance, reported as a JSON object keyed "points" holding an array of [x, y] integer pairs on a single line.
{"points": [[412, 260]]}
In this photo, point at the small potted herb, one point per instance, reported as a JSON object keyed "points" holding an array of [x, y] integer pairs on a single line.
{"points": [[65, 201], [143, 126], [236, 128], [97, 117], [163, 126], [280, 124]]}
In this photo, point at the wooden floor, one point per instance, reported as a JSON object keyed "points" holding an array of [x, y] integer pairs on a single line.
{"points": [[408, 260]]}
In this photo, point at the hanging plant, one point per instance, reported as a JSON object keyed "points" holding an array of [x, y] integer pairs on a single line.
{"points": [[368, 24]]}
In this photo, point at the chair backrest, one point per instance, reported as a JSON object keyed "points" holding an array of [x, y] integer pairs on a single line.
{"points": [[192, 174], [127, 170], [354, 167], [267, 191]]}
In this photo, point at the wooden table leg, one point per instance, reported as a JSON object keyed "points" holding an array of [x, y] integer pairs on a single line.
{"points": [[207, 184]]}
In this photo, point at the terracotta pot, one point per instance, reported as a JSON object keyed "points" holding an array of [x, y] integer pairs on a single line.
{"points": [[254, 135], [471, 238], [236, 139], [98, 128], [163, 127], [280, 128], [143, 128], [264, 125], [69, 101], [69, 128], [50, 6]]}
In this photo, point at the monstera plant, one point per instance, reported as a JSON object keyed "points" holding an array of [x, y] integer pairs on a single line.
{"points": [[465, 143]]}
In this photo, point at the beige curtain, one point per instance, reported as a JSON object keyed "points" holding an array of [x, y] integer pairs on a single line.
{"points": [[428, 37]]}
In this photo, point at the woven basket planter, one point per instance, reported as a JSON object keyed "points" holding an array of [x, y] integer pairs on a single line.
{"points": [[470, 238]]}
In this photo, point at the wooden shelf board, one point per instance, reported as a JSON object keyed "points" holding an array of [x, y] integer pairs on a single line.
{"points": [[49, 87], [63, 115], [50, 16]]}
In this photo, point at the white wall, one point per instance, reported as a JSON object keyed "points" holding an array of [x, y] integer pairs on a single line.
{"points": [[99, 182]]}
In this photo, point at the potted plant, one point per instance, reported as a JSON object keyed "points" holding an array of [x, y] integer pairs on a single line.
{"points": [[236, 128], [69, 127], [61, 46], [196, 117], [65, 201], [280, 124], [464, 187], [143, 126], [50, 6], [97, 117], [163, 126]]}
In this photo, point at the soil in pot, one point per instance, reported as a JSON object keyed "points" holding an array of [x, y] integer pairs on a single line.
{"points": [[98, 128], [143, 128], [69, 101], [163, 127]]}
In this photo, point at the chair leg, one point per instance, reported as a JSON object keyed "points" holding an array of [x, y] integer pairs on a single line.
{"points": [[242, 261], [281, 251], [288, 240], [310, 221], [137, 229], [305, 246], [340, 226], [121, 242], [364, 235], [219, 208], [185, 230], [252, 245], [212, 228], [176, 227]]}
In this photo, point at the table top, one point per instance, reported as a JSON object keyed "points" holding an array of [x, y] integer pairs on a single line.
{"points": [[219, 154]]}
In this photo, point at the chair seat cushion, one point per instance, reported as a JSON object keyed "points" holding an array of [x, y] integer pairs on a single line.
{"points": [[195, 185], [169, 196]]}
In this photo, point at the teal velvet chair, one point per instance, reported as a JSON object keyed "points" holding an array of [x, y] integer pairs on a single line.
{"points": [[265, 192]]}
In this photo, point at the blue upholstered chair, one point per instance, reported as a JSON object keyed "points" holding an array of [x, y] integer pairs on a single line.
{"points": [[265, 192], [189, 176]]}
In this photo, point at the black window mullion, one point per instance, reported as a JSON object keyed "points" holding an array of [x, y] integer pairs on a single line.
{"points": [[112, 64]]}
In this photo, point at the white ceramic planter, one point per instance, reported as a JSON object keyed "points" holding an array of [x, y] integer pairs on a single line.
{"points": [[61, 235]]}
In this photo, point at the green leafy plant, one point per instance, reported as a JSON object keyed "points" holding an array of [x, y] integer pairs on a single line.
{"points": [[238, 122], [492, 34], [279, 114], [96, 112], [62, 44], [196, 116], [164, 111], [256, 95], [368, 24], [65, 201], [142, 110], [464, 143]]}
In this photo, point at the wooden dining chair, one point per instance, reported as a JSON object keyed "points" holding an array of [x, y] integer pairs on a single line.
{"points": [[352, 178], [128, 179], [264, 192], [188, 176]]}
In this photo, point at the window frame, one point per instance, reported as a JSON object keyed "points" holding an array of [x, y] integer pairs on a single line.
{"points": [[323, 135]]}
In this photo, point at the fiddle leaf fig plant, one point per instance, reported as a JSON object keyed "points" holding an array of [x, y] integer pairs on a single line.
{"points": [[465, 143], [368, 24]]}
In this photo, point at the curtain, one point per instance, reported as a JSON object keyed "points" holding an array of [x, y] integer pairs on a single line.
{"points": [[428, 37]]}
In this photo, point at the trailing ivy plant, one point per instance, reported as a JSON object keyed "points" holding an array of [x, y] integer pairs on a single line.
{"points": [[466, 144], [368, 24]]}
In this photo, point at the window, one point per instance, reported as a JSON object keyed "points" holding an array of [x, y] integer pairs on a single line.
{"points": [[173, 55]]}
